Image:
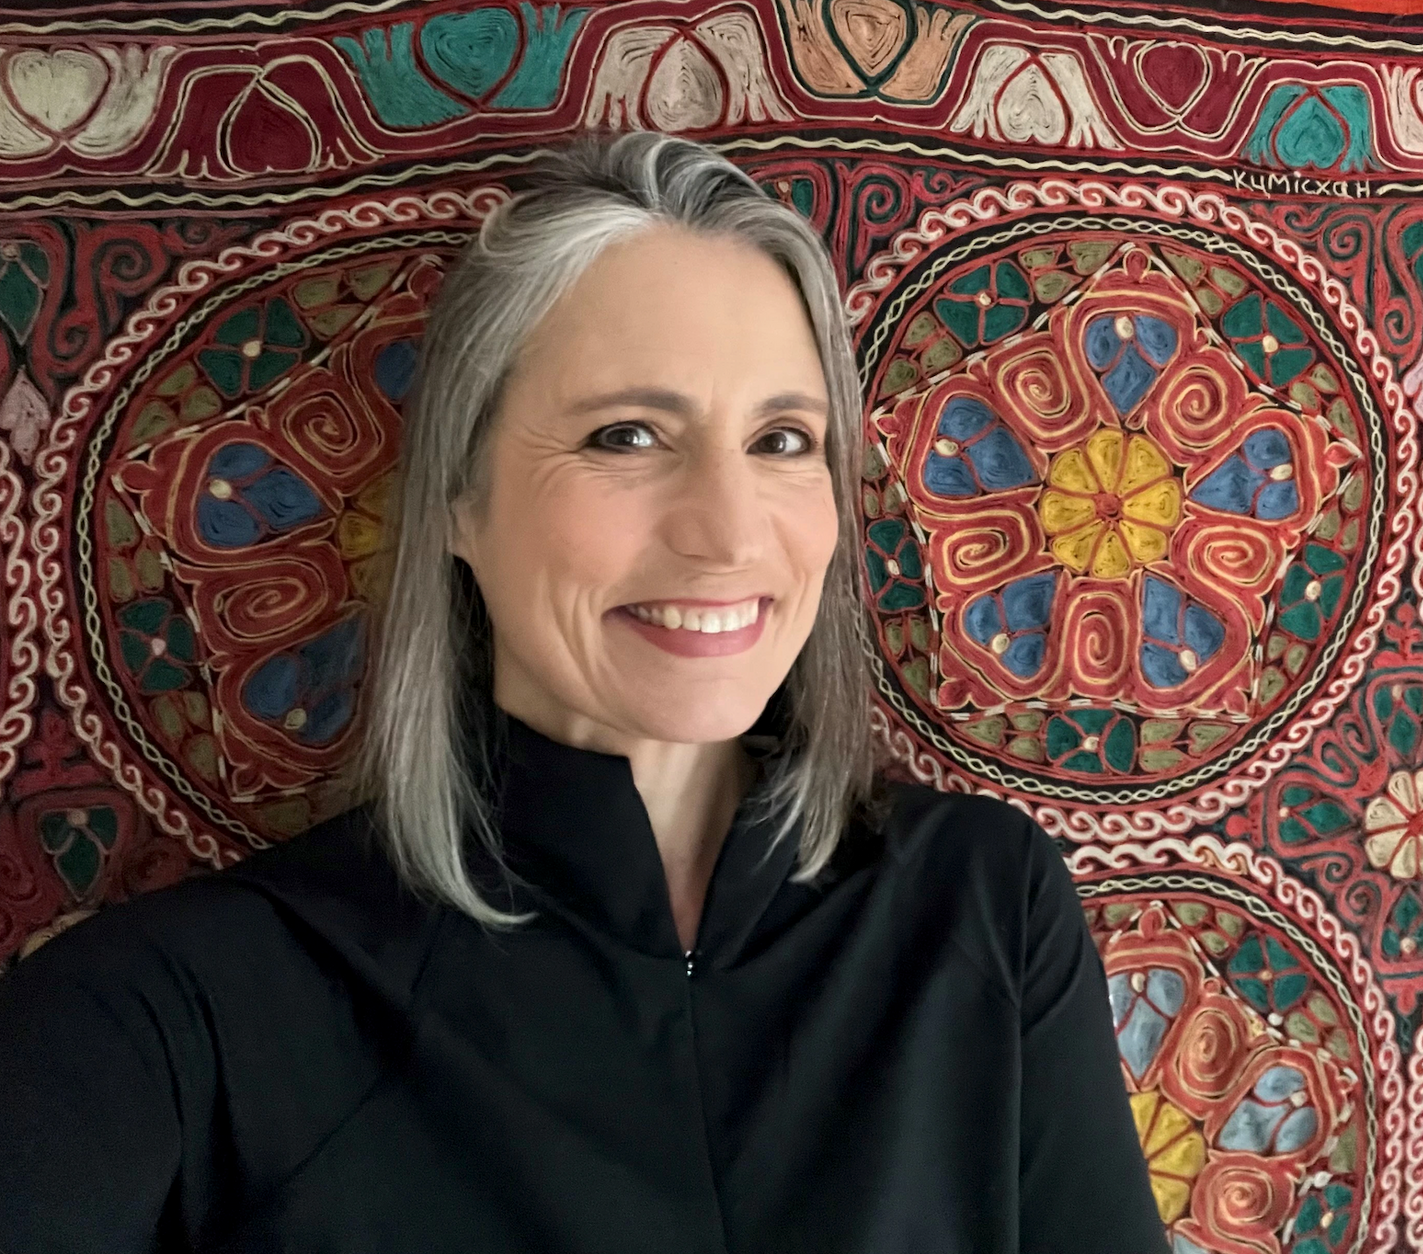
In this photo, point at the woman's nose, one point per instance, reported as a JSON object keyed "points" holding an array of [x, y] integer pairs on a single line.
{"points": [[716, 511]]}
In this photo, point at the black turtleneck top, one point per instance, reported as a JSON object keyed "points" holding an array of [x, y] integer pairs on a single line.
{"points": [[913, 1054]]}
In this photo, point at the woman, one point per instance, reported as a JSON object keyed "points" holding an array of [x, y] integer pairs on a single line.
{"points": [[632, 951]]}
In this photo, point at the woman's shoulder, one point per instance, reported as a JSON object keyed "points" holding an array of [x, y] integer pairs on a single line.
{"points": [[328, 887], [964, 835], [974, 869], [239, 1016]]}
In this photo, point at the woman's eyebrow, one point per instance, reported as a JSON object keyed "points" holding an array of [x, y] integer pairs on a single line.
{"points": [[683, 406]]}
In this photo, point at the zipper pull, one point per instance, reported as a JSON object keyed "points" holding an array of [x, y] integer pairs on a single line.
{"points": [[690, 961]]}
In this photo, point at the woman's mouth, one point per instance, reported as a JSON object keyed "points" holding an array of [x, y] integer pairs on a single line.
{"points": [[708, 619], [698, 629]]}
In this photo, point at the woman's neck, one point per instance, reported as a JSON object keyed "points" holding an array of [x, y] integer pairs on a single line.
{"points": [[690, 792], [690, 800]]}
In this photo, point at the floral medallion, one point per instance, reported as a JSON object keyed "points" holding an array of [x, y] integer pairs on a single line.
{"points": [[1263, 1077], [226, 499], [1127, 495]]}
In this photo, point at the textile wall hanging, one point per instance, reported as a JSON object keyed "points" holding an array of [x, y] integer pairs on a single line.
{"points": [[1138, 302]]}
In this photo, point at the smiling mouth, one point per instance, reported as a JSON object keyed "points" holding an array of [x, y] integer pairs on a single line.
{"points": [[709, 620]]}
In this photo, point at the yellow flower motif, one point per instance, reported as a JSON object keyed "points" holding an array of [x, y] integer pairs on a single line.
{"points": [[360, 537], [358, 532], [1393, 826], [1110, 505], [1174, 1148]]}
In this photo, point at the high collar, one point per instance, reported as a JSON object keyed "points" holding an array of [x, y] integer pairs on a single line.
{"points": [[576, 830]]}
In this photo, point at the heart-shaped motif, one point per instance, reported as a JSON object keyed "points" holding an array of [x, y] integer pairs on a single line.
{"points": [[1029, 110], [684, 92], [57, 89], [1174, 74], [1311, 135], [470, 51], [263, 133]]}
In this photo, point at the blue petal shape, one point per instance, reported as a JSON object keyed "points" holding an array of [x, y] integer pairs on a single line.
{"points": [[1204, 632], [395, 363], [1165, 989], [982, 621], [1027, 602], [272, 689], [328, 716], [233, 461], [336, 656], [1119, 994], [963, 418], [325, 668], [1128, 381], [1024, 657], [1160, 610], [1266, 448], [1230, 487], [1157, 338], [1278, 1083], [1101, 342], [1296, 1130], [1183, 1245], [1161, 666], [1277, 500], [1000, 461], [949, 476], [1163, 625], [285, 500], [1251, 1126], [1140, 1039], [225, 524]]}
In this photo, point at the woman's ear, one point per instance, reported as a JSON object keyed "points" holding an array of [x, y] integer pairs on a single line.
{"points": [[461, 538]]}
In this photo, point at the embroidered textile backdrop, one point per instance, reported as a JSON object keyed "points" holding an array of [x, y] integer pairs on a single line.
{"points": [[1136, 295]]}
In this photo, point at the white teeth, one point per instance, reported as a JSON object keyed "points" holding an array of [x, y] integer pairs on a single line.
{"points": [[707, 621]]}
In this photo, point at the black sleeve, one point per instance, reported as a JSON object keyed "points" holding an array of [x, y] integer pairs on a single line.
{"points": [[1084, 1186], [91, 1026]]}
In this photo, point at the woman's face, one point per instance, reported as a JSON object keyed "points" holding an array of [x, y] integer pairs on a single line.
{"points": [[657, 460]]}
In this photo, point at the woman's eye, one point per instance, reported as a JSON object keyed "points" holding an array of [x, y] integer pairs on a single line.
{"points": [[623, 436], [788, 440]]}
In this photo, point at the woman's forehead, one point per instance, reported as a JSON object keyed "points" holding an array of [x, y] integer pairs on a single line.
{"points": [[657, 285], [671, 336]]}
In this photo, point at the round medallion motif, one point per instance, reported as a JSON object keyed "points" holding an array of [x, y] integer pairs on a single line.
{"points": [[1262, 1076], [227, 497], [1126, 497]]}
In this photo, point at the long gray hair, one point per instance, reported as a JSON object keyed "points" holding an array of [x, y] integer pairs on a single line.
{"points": [[427, 755]]}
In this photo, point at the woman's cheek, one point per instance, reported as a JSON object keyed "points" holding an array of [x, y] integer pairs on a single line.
{"points": [[596, 539], [814, 529]]}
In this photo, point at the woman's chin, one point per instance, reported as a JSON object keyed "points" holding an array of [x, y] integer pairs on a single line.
{"points": [[684, 719]]}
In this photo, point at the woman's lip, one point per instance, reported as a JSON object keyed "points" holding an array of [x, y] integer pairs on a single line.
{"points": [[764, 599]]}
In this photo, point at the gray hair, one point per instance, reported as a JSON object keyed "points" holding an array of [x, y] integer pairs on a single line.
{"points": [[426, 756]]}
